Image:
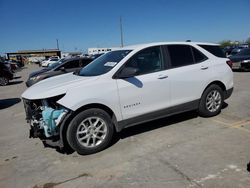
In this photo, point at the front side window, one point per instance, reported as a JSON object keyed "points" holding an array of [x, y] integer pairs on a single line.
{"points": [[147, 61], [180, 55], [104, 63]]}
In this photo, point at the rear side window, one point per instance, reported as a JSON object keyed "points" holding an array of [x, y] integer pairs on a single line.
{"points": [[198, 56], [180, 55], [215, 50], [72, 64], [245, 52]]}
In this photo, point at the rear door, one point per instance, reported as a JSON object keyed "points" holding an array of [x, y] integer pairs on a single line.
{"points": [[190, 71]]}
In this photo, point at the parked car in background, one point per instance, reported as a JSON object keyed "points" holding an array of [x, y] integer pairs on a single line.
{"points": [[62, 66], [12, 65], [95, 56], [241, 61], [227, 50], [20, 61], [50, 61], [36, 60], [5, 74], [126, 87], [236, 50]]}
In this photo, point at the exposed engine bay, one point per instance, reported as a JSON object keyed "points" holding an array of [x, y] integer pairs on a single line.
{"points": [[44, 116]]}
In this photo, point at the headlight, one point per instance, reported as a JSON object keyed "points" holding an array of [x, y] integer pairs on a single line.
{"points": [[35, 78], [246, 61]]}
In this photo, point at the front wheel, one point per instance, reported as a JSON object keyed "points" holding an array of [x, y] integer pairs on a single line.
{"points": [[90, 131], [211, 101], [3, 81]]}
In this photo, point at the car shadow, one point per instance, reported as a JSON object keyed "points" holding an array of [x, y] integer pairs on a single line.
{"points": [[6, 103], [134, 130], [15, 82], [136, 82], [67, 150], [144, 127], [241, 71], [156, 124], [153, 125], [224, 105]]}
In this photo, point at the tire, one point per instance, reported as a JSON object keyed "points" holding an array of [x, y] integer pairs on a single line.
{"points": [[90, 131], [211, 101], [3, 81]]}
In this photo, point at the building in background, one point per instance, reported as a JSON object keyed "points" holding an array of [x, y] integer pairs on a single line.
{"points": [[44, 53], [71, 54]]}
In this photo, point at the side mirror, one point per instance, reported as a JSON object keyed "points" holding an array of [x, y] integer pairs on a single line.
{"points": [[128, 72], [62, 69]]}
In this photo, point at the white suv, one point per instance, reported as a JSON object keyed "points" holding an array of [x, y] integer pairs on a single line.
{"points": [[125, 87]]}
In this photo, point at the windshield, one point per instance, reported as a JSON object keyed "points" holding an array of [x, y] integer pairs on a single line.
{"points": [[104, 63], [244, 52]]}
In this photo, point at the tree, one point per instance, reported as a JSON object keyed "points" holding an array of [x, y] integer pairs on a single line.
{"points": [[225, 43], [248, 41]]}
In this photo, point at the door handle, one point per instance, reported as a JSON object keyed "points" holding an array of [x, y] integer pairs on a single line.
{"points": [[204, 67], [162, 77]]}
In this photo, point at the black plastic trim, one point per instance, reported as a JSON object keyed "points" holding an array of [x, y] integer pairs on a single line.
{"points": [[158, 114], [228, 93]]}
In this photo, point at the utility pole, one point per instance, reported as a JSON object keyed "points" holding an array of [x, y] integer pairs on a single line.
{"points": [[121, 32], [57, 44]]}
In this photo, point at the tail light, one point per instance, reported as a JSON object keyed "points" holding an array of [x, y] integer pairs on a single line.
{"points": [[230, 63]]}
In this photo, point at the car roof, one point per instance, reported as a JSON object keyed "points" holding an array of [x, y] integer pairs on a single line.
{"points": [[133, 47], [74, 58]]}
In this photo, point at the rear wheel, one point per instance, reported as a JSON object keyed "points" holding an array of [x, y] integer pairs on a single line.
{"points": [[3, 81], [211, 101], [90, 131]]}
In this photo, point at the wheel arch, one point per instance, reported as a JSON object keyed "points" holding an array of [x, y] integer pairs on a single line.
{"points": [[72, 114], [216, 82], [219, 83], [202, 110], [97, 105]]}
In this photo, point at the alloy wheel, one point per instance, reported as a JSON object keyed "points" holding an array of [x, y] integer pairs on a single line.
{"points": [[91, 132], [213, 101]]}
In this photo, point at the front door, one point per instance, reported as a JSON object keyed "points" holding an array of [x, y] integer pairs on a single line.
{"points": [[149, 90]]}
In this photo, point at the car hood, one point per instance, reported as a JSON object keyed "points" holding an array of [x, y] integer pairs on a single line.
{"points": [[237, 58], [36, 73], [55, 86]]}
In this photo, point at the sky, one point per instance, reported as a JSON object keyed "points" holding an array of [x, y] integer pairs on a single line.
{"points": [[80, 24]]}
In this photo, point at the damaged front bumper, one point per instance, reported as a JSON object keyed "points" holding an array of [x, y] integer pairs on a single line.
{"points": [[46, 119]]}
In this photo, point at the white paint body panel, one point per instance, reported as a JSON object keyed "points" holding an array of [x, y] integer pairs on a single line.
{"points": [[143, 94]]}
